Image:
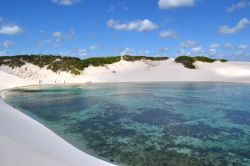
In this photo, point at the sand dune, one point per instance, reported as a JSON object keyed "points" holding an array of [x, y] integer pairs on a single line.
{"points": [[25, 142], [139, 71]]}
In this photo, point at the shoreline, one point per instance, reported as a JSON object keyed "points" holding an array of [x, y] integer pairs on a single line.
{"points": [[26, 142], [44, 154], [48, 153]]}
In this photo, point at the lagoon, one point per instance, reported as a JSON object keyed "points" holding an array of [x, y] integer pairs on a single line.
{"points": [[150, 124]]}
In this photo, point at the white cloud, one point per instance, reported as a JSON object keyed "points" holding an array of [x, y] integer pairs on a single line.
{"points": [[10, 29], [170, 34], [229, 46], [93, 47], [243, 47], [111, 8], [212, 51], [239, 5], [138, 25], [142, 52], [61, 37], [188, 44], [214, 46], [164, 49], [240, 26], [6, 43], [126, 51], [167, 4], [66, 2], [42, 43], [119, 6], [197, 50], [87, 51], [83, 52]]}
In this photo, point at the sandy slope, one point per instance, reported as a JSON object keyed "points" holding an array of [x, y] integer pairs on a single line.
{"points": [[25, 142], [140, 71], [169, 71]]}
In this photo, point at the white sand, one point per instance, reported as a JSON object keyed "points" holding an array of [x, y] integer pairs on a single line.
{"points": [[140, 71], [25, 142]]}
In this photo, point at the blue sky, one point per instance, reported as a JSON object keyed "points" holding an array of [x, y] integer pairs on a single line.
{"points": [[88, 28]]}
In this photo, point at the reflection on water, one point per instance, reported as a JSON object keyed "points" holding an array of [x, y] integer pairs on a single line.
{"points": [[164, 124]]}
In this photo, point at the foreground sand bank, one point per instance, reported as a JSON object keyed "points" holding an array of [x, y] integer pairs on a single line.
{"points": [[25, 142]]}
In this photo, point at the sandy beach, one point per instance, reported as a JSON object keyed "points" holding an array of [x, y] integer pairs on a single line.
{"points": [[25, 142]]}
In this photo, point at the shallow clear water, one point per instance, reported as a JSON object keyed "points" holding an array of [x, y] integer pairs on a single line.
{"points": [[161, 124]]}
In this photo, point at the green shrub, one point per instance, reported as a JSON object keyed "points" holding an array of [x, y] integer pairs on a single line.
{"points": [[186, 61], [204, 59], [138, 58], [223, 60], [100, 61], [57, 63]]}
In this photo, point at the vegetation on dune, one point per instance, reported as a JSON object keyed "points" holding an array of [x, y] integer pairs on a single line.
{"points": [[188, 61], [137, 58], [55, 63], [223, 60], [75, 65], [204, 59], [69, 64], [100, 61]]}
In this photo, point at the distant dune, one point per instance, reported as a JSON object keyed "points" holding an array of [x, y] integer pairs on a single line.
{"points": [[135, 71]]}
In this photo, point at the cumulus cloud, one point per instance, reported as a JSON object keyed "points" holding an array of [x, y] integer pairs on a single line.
{"points": [[6, 44], [82, 52], [126, 51], [243, 23], [66, 2], [93, 47], [87, 51], [119, 6], [138, 25], [212, 51], [229, 46], [169, 34], [214, 46], [61, 37], [43, 43], [243, 47], [197, 50], [10, 29], [188, 44], [167, 4], [163, 49], [239, 5]]}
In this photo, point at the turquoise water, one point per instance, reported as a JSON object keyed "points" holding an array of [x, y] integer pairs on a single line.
{"points": [[160, 124]]}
